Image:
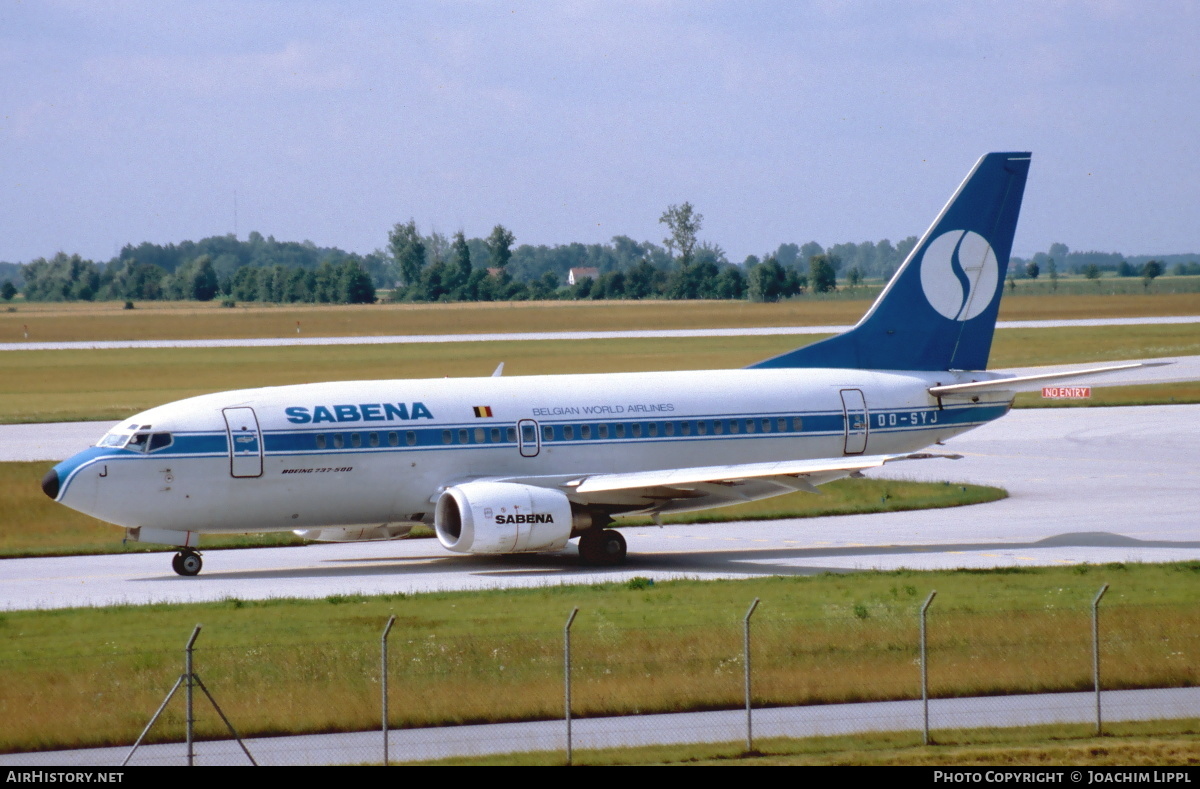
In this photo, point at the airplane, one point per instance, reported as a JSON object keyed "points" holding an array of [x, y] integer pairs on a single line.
{"points": [[502, 465]]}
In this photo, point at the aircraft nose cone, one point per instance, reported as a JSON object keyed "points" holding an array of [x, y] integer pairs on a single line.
{"points": [[50, 483]]}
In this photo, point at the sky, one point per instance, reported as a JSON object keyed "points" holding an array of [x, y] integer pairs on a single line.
{"points": [[124, 121]]}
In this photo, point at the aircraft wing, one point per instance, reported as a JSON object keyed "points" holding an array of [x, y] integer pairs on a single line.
{"points": [[1031, 379], [673, 490]]}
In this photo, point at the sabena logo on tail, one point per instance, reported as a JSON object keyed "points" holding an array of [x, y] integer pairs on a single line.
{"points": [[959, 274]]}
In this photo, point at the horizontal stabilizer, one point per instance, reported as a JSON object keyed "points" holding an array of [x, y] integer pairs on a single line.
{"points": [[1034, 382]]}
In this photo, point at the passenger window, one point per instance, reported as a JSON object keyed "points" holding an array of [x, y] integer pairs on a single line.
{"points": [[338, 441], [766, 425], [479, 435], [653, 429], [797, 424], [568, 432], [373, 439], [320, 440], [410, 438], [718, 427], [602, 431], [669, 429], [620, 431], [733, 425], [511, 434], [464, 437], [701, 428], [685, 428], [393, 439], [355, 440], [495, 435], [547, 433], [782, 425], [447, 437], [749, 425], [160, 440], [585, 431]]}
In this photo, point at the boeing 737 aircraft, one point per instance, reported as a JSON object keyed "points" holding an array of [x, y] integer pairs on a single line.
{"points": [[519, 464]]}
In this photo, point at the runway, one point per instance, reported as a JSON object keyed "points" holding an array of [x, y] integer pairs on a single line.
{"points": [[1090, 485]]}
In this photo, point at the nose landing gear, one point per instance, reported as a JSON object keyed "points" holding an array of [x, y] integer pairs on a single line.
{"points": [[187, 562]]}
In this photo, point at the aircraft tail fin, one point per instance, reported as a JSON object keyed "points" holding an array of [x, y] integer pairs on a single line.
{"points": [[939, 310]]}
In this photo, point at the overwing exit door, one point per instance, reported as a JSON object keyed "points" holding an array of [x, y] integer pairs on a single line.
{"points": [[245, 442]]}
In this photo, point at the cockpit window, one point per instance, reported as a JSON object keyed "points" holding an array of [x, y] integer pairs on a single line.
{"points": [[145, 442], [114, 440]]}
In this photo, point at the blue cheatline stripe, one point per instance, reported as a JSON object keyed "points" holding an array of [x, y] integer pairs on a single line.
{"points": [[304, 441]]}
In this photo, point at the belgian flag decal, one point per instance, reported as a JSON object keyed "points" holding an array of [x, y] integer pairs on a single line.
{"points": [[483, 410]]}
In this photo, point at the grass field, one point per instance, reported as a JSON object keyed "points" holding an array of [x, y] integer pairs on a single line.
{"points": [[94, 676], [33, 525], [55, 386], [83, 321]]}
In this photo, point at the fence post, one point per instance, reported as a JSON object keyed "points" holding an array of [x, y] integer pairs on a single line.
{"points": [[191, 678], [746, 650], [191, 681], [383, 660], [1096, 653], [925, 668], [567, 677]]}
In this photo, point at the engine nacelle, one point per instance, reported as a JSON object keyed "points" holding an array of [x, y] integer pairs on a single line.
{"points": [[503, 517]]}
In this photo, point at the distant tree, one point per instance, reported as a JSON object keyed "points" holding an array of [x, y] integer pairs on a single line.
{"points": [[642, 280], [1032, 269], [499, 246], [408, 251], [788, 255], [1150, 272], [807, 252], [822, 273], [683, 223], [1052, 272], [8, 290], [203, 285], [765, 282], [1059, 251], [730, 284], [1125, 270], [854, 277], [1092, 272], [460, 261], [354, 284]]}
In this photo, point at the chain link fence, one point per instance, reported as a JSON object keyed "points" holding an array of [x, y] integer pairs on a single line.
{"points": [[596, 682]]}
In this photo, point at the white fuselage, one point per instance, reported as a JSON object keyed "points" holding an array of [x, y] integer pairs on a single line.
{"points": [[368, 453]]}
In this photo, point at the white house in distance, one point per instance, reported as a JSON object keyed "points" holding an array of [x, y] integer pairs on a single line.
{"points": [[581, 273]]}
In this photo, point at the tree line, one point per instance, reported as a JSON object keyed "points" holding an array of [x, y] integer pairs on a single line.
{"points": [[420, 267]]}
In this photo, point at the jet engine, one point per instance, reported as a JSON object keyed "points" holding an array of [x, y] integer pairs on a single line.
{"points": [[505, 517]]}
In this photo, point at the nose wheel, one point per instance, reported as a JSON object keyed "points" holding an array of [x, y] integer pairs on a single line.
{"points": [[187, 562], [602, 547]]}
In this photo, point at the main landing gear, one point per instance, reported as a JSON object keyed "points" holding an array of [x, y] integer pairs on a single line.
{"points": [[602, 547], [187, 562]]}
